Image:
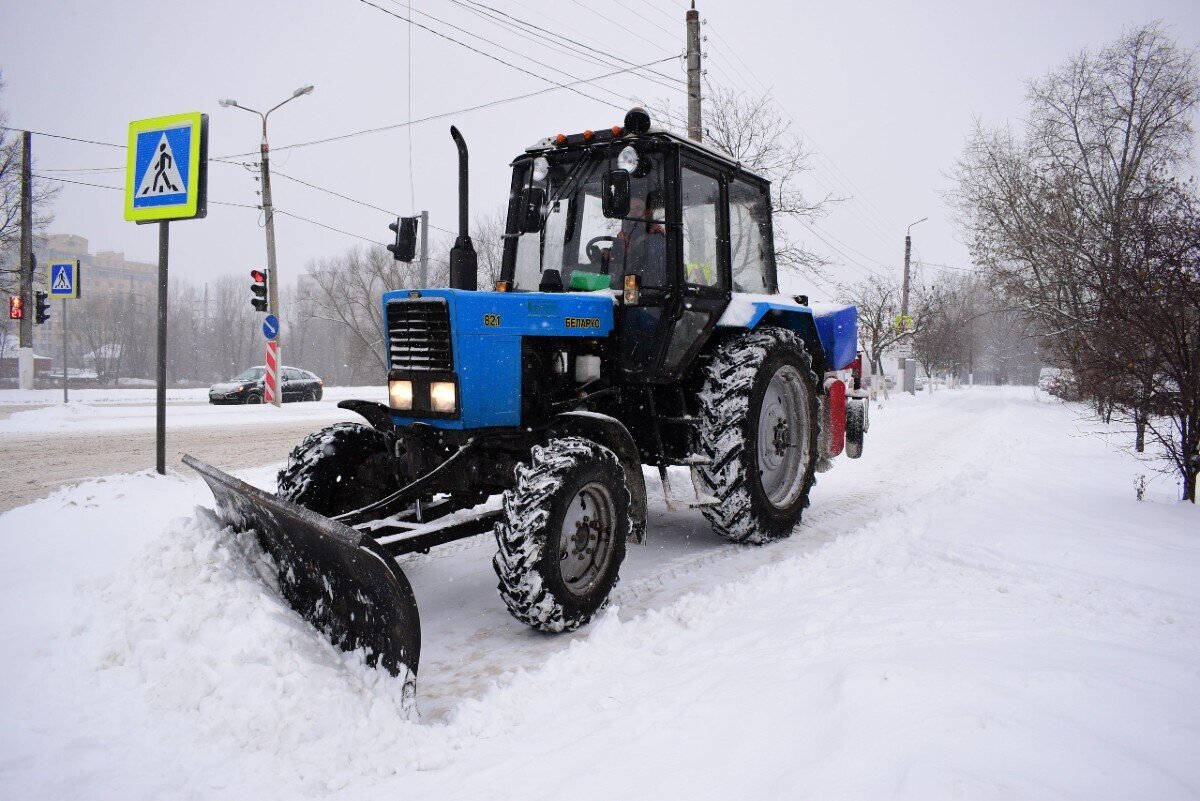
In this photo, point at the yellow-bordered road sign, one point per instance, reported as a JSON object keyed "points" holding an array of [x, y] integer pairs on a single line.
{"points": [[63, 279], [166, 171]]}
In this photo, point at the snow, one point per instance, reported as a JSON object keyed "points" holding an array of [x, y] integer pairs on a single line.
{"points": [[978, 607], [133, 409], [745, 307]]}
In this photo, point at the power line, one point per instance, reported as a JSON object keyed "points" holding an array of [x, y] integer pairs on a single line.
{"points": [[518, 27], [505, 49], [446, 114], [851, 261], [605, 54], [329, 227], [486, 54], [277, 173], [122, 189], [866, 202], [60, 136]]}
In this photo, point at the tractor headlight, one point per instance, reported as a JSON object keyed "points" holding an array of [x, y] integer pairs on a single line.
{"points": [[541, 168], [400, 393], [442, 396], [628, 159]]}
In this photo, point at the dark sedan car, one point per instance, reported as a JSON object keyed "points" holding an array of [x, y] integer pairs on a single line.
{"points": [[247, 386]]}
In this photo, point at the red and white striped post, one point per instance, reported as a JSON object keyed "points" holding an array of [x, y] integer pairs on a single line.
{"points": [[272, 394]]}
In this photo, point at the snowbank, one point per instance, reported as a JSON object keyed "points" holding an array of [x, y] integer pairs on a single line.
{"points": [[965, 612], [134, 409]]}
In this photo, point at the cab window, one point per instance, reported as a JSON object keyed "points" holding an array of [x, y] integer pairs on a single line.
{"points": [[700, 196], [750, 255]]}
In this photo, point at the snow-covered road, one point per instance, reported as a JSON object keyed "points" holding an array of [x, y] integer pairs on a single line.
{"points": [[977, 608]]}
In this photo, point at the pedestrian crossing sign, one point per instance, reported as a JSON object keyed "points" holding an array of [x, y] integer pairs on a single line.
{"points": [[166, 171], [63, 279]]}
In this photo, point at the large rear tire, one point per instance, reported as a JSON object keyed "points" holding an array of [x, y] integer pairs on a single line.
{"points": [[561, 539], [758, 430], [339, 469]]}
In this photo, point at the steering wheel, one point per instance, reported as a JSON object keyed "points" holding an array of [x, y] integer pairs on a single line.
{"points": [[594, 253]]}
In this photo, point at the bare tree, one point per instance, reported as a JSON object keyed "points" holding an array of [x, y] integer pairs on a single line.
{"points": [[43, 192], [754, 132], [878, 302], [347, 290], [488, 236], [1055, 215]]}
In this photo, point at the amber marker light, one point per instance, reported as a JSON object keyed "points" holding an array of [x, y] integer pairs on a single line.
{"points": [[633, 290]]}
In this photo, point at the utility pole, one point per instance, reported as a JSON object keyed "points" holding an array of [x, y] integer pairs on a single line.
{"points": [[695, 129], [272, 280], [25, 330], [907, 254], [903, 361], [424, 268], [269, 220]]}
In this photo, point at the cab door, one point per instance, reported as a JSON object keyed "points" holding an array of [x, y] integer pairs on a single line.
{"points": [[703, 247]]}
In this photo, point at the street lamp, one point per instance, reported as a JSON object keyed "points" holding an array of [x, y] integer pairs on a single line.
{"points": [[907, 253], [269, 215]]}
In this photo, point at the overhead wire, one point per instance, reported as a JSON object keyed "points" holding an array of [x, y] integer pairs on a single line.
{"points": [[607, 54], [488, 55], [872, 215], [506, 49], [529, 32], [443, 115]]}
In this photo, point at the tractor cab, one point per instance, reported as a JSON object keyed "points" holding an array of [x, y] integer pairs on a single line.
{"points": [[668, 226]]}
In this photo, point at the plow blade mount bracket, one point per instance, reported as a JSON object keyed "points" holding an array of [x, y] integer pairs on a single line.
{"points": [[337, 578]]}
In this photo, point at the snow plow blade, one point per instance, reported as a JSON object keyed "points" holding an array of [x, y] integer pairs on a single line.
{"points": [[337, 578]]}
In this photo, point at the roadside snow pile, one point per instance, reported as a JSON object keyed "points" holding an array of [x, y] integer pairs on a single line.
{"points": [[977, 608], [79, 417], [99, 395]]}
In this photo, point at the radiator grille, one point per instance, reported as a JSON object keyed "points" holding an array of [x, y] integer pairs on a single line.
{"points": [[419, 334]]}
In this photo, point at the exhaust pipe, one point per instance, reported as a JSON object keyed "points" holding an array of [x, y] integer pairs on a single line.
{"points": [[464, 264]]}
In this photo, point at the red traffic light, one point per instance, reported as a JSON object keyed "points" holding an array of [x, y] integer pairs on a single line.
{"points": [[16, 307], [259, 276]]}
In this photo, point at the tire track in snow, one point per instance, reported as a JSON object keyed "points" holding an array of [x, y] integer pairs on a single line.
{"points": [[471, 642]]}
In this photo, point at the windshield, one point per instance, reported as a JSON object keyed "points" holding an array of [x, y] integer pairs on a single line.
{"points": [[589, 250], [253, 374]]}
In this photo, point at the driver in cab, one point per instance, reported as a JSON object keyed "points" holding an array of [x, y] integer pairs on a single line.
{"points": [[640, 246]]}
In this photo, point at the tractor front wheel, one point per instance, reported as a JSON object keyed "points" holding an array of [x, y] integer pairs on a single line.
{"points": [[561, 539], [339, 469]]}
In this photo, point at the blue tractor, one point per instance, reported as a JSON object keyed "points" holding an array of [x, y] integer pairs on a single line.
{"points": [[637, 322]]}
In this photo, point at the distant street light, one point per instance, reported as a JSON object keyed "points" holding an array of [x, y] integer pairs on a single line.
{"points": [[907, 252], [269, 214]]}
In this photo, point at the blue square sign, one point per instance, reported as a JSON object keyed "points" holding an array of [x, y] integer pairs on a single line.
{"points": [[63, 279]]}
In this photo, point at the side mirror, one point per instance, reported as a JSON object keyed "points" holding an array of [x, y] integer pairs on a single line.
{"points": [[615, 194], [533, 200]]}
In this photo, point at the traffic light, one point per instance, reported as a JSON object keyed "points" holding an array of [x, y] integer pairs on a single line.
{"points": [[16, 307], [41, 307], [259, 288], [405, 248]]}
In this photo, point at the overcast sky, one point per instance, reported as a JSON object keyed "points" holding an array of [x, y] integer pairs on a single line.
{"points": [[884, 93]]}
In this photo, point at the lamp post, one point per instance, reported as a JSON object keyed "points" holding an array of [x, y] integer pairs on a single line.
{"points": [[269, 215], [907, 253], [902, 366]]}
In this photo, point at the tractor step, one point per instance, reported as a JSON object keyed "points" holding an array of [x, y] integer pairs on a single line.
{"points": [[676, 504], [693, 460]]}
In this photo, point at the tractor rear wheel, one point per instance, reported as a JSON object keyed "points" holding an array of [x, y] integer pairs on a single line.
{"points": [[339, 469], [758, 432], [561, 539]]}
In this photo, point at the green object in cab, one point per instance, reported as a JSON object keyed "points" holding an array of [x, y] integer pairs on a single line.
{"points": [[588, 282]]}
